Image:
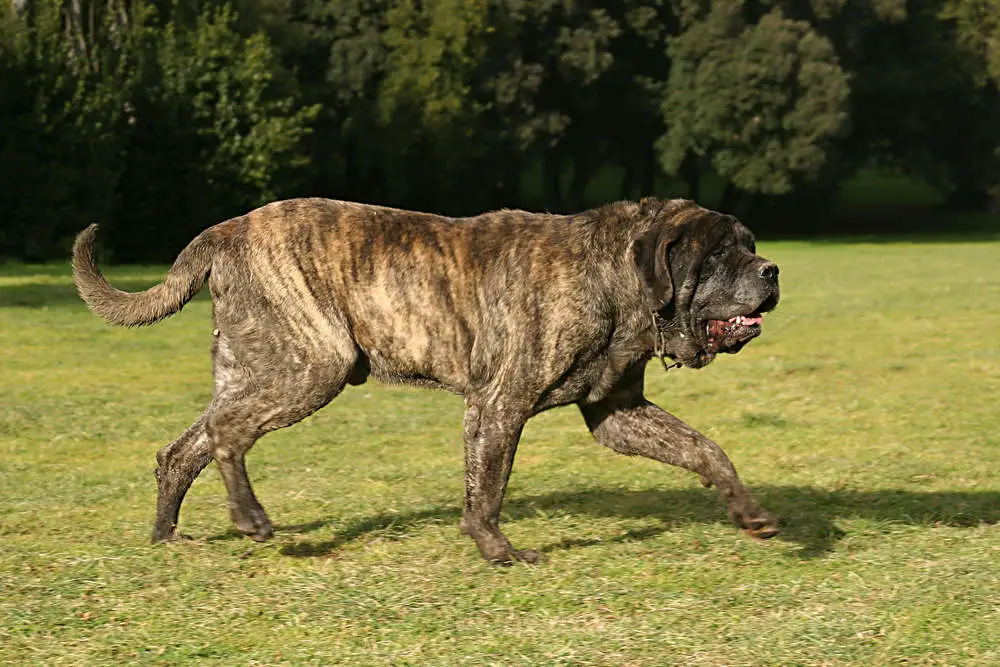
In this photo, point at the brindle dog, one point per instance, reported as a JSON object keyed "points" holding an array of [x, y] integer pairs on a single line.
{"points": [[517, 312]]}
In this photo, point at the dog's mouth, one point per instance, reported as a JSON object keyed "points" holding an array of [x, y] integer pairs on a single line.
{"points": [[732, 334]]}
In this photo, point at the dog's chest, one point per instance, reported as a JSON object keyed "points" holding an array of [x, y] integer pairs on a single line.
{"points": [[589, 382]]}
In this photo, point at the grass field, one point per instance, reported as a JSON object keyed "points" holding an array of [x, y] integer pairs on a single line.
{"points": [[866, 417]]}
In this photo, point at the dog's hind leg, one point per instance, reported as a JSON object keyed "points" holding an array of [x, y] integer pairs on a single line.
{"points": [[178, 464], [234, 427], [257, 395]]}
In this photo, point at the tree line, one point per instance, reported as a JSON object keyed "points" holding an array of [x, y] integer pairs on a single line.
{"points": [[160, 118]]}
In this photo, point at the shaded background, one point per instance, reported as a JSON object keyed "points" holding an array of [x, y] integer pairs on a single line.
{"points": [[159, 119]]}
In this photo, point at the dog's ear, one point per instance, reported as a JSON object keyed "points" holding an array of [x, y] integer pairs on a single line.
{"points": [[652, 259]]}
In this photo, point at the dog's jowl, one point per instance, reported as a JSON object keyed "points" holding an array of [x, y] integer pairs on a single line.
{"points": [[517, 312]]}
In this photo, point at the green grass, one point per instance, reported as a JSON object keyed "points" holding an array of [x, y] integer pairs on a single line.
{"points": [[865, 417]]}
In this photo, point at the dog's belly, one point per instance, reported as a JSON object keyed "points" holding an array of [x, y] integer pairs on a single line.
{"points": [[412, 345], [398, 365]]}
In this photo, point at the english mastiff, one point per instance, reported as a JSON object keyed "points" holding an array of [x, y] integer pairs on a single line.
{"points": [[518, 312]]}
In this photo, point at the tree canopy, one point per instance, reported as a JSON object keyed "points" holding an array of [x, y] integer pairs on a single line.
{"points": [[158, 119]]}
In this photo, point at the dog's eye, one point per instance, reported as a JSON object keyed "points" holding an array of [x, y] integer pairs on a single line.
{"points": [[719, 252]]}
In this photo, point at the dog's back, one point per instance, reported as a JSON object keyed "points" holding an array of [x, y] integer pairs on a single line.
{"points": [[416, 297]]}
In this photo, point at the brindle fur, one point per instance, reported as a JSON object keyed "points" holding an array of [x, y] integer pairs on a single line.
{"points": [[517, 312]]}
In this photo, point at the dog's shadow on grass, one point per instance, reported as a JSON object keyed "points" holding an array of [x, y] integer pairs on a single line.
{"points": [[808, 515]]}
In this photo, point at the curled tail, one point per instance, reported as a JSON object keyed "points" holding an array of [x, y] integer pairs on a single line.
{"points": [[131, 309]]}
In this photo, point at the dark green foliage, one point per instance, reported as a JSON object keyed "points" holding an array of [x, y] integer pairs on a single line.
{"points": [[158, 130], [919, 101], [61, 106], [159, 119], [210, 136], [761, 104]]}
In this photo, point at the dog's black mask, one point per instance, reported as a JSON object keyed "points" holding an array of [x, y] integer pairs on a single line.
{"points": [[704, 280]]}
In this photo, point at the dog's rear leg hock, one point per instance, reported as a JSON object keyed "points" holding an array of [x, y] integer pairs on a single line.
{"points": [[641, 428], [491, 434], [232, 437], [178, 464]]}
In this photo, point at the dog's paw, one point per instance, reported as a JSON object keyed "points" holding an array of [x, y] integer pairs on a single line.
{"points": [[758, 525], [509, 557], [764, 531], [498, 551], [261, 535], [529, 556], [254, 524], [168, 534]]}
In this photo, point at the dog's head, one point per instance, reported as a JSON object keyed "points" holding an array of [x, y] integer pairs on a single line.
{"points": [[703, 279]]}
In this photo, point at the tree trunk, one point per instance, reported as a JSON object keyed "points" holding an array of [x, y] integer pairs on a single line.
{"points": [[691, 173], [730, 198], [628, 182], [649, 172], [551, 177], [583, 171]]}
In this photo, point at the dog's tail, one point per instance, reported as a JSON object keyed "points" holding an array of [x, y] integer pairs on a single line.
{"points": [[132, 309]]}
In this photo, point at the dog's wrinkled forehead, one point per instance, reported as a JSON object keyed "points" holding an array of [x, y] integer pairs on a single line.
{"points": [[726, 227], [709, 231], [744, 236]]}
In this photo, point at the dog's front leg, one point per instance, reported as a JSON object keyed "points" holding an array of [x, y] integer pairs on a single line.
{"points": [[632, 425], [491, 433]]}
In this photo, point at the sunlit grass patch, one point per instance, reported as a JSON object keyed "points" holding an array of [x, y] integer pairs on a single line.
{"points": [[865, 417]]}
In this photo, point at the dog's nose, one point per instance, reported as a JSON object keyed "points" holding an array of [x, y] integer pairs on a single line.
{"points": [[769, 271]]}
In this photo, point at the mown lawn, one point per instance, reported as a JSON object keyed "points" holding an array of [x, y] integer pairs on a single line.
{"points": [[866, 417]]}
